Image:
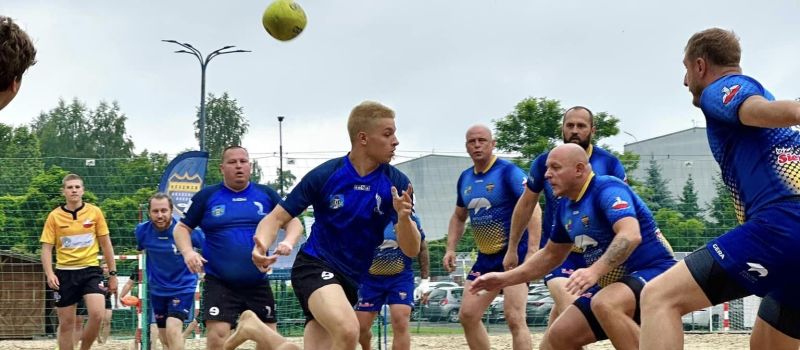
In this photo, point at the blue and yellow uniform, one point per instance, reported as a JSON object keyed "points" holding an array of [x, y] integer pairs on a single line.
{"points": [[350, 215], [588, 223], [489, 197], [603, 163], [761, 168], [229, 220], [390, 279], [171, 285]]}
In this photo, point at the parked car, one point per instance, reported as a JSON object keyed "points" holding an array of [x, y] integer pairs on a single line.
{"points": [[537, 309], [443, 304]]}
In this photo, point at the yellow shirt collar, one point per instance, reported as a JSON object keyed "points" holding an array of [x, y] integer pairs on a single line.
{"points": [[589, 151], [489, 166]]}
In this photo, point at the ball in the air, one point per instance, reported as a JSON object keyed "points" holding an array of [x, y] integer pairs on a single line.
{"points": [[284, 19]]}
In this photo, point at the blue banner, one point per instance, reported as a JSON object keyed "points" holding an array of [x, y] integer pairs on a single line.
{"points": [[183, 178]]}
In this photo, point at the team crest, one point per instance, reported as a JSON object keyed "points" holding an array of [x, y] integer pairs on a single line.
{"points": [[468, 190], [403, 295], [218, 210], [337, 201], [378, 201], [88, 223], [568, 226], [585, 221], [728, 93], [490, 187]]}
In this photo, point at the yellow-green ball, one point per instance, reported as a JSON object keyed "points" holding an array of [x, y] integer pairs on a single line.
{"points": [[284, 19]]}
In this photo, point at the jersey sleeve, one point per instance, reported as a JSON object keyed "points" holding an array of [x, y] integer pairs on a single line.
{"points": [[559, 233], [138, 232], [615, 202], [308, 190], [197, 207], [101, 227], [617, 170], [49, 231], [459, 198], [516, 180], [273, 195], [536, 179], [198, 238], [722, 99]]}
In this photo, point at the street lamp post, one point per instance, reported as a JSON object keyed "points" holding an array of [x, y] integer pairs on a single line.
{"points": [[280, 153], [203, 64]]}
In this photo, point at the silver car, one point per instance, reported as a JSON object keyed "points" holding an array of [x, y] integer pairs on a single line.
{"points": [[443, 304]]}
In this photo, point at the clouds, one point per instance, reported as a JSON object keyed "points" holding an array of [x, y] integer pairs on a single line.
{"points": [[443, 65]]}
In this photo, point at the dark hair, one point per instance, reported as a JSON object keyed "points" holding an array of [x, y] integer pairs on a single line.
{"points": [[718, 46], [159, 195], [16, 52], [591, 115]]}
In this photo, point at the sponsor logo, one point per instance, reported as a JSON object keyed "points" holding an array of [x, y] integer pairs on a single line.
{"points": [[388, 244], [218, 210], [758, 268], [361, 187], [88, 223], [468, 190], [365, 304], [176, 301], [787, 155], [56, 296], [77, 241], [239, 199], [269, 310], [213, 311], [728, 93], [567, 271], [337, 201], [490, 187], [378, 201], [403, 295], [479, 203], [260, 208], [584, 241], [326, 275], [718, 250], [619, 204], [475, 274]]}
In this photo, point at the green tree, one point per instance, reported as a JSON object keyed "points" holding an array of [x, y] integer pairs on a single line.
{"points": [[288, 180], [107, 132], [682, 233], [535, 126], [687, 202], [19, 158], [721, 210], [63, 131], [226, 126], [655, 192]]}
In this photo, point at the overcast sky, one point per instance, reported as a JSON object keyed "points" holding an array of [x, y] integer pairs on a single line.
{"points": [[441, 64]]}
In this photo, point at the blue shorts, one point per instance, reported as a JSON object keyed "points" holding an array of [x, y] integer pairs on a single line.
{"points": [[494, 263], [179, 306], [763, 254], [377, 291], [574, 261]]}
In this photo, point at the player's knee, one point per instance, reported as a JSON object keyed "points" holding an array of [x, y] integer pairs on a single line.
{"points": [[603, 307], [557, 337], [653, 298], [469, 316], [348, 333], [515, 319], [400, 325]]}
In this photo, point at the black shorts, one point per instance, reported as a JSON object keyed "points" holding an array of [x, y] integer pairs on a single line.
{"points": [[74, 284], [223, 302], [310, 274], [584, 306], [719, 287]]}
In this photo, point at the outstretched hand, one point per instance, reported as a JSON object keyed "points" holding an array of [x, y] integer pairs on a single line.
{"points": [[403, 204], [260, 258]]}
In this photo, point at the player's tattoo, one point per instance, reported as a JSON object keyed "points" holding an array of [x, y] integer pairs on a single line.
{"points": [[617, 252]]}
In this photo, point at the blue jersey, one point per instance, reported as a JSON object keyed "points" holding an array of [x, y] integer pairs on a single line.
{"points": [[389, 260], [588, 223], [759, 166], [603, 163], [229, 220], [167, 274], [350, 212], [489, 198]]}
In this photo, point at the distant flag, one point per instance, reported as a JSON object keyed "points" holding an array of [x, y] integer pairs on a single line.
{"points": [[183, 178]]}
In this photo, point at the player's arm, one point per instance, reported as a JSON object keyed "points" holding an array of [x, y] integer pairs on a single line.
{"points": [[294, 229], [126, 288], [108, 256], [535, 267], [266, 232], [759, 112], [424, 261], [535, 229], [183, 241], [47, 265], [524, 215], [408, 235], [455, 230], [627, 237]]}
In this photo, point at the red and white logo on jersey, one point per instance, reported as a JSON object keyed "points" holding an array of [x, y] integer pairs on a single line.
{"points": [[619, 204], [728, 93]]}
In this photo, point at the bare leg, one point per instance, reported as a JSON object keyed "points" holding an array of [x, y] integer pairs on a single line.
{"points": [[516, 299], [570, 331], [472, 308], [95, 306], [664, 300], [216, 333], [335, 323], [250, 327], [105, 327], [365, 319], [66, 326], [614, 307], [401, 338], [767, 337]]}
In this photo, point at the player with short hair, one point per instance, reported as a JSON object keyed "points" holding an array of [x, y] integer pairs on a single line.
{"points": [[486, 195], [77, 230], [171, 285], [228, 214], [16, 55], [752, 139], [577, 127], [623, 249], [354, 198]]}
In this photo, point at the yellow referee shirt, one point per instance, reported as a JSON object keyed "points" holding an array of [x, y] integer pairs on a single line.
{"points": [[74, 234]]}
